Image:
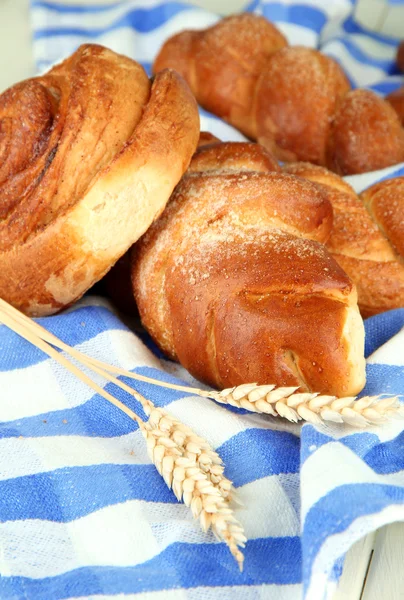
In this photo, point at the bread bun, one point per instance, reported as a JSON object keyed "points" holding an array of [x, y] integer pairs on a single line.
{"points": [[237, 156], [222, 64], [233, 281], [358, 237], [297, 94], [385, 202], [365, 135], [89, 155]]}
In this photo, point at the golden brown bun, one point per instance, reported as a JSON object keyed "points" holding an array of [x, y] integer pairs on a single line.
{"points": [[400, 56], [385, 202], [396, 99], [297, 93], [357, 243], [222, 64], [237, 156], [365, 135], [89, 155], [293, 100], [233, 282]]}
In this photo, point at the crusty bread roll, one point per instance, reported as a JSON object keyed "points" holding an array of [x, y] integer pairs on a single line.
{"points": [[295, 101], [233, 281], [358, 237], [396, 99], [385, 202], [365, 135], [89, 155], [238, 156], [222, 63], [297, 93]]}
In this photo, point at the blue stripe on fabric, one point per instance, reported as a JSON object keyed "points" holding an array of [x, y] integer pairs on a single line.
{"points": [[382, 457], [64, 495], [140, 20], [380, 328], [388, 65], [75, 328], [386, 87], [304, 16], [336, 511], [268, 561], [256, 453], [94, 8], [249, 456], [76, 9], [386, 379], [96, 417], [351, 26], [398, 173]]}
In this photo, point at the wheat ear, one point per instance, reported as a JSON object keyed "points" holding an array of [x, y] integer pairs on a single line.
{"points": [[286, 402], [189, 466]]}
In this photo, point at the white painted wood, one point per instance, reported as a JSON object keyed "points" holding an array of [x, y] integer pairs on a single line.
{"points": [[385, 579], [355, 568]]}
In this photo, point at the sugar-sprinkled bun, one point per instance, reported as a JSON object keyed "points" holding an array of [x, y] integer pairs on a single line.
{"points": [[365, 135], [297, 94], [222, 63]]}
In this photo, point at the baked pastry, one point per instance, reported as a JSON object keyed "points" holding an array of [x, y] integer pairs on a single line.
{"points": [[366, 243], [233, 281], [396, 99], [295, 101], [297, 93], [222, 63], [385, 202], [89, 155], [365, 135]]}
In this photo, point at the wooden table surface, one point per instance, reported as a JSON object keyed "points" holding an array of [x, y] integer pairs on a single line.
{"points": [[374, 567]]}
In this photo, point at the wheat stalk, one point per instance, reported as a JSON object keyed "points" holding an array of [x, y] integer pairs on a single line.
{"points": [[285, 402], [189, 466]]}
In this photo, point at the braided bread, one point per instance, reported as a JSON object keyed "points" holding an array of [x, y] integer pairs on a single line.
{"points": [[233, 281], [82, 149], [367, 244], [293, 100]]}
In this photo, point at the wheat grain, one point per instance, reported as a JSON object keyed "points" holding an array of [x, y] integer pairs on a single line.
{"points": [[294, 406], [194, 471], [286, 402], [189, 466]]}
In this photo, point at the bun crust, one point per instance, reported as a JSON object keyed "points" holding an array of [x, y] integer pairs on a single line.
{"points": [[295, 101], [222, 64], [365, 135], [83, 149], [233, 281], [297, 93], [385, 202], [365, 243]]}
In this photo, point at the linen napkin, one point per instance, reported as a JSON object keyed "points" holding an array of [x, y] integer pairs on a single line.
{"points": [[83, 512]]}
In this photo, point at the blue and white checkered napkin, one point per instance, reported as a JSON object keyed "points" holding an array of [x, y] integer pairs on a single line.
{"points": [[83, 513]]}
